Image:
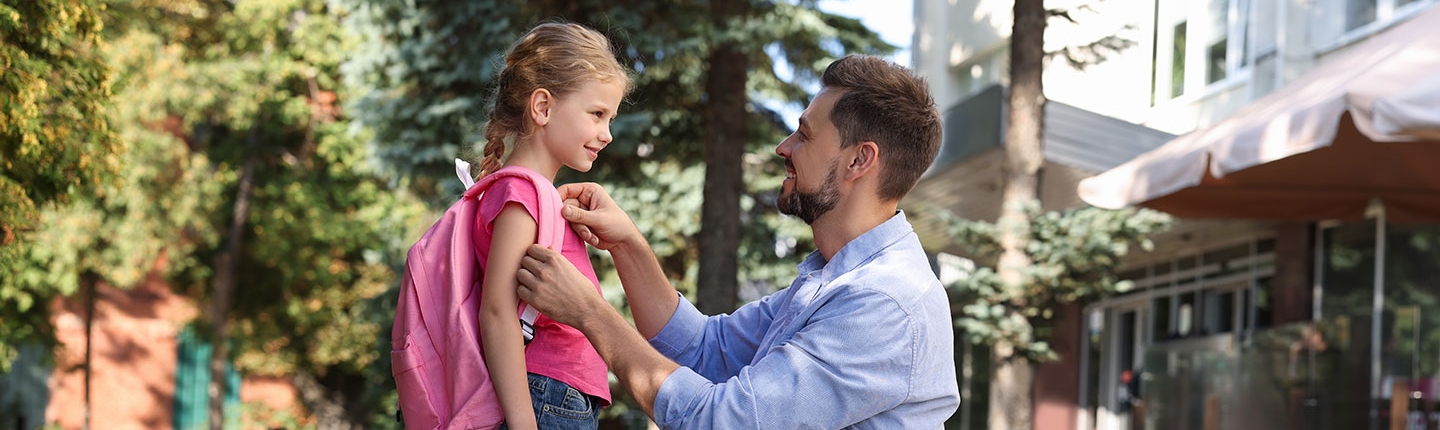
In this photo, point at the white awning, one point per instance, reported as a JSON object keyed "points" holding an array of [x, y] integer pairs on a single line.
{"points": [[1384, 89]]}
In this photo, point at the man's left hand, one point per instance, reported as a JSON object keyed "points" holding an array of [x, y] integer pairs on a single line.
{"points": [[555, 287]]}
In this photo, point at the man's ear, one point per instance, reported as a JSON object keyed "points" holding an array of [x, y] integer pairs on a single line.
{"points": [[865, 161], [540, 103]]}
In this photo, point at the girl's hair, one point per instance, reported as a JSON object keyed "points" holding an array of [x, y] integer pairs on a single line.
{"points": [[556, 56]]}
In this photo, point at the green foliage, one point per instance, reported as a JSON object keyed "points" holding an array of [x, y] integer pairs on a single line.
{"points": [[422, 74], [54, 91], [201, 87], [1075, 253], [325, 234], [55, 142]]}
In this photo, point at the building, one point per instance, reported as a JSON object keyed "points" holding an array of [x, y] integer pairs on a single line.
{"points": [[148, 370], [1297, 290]]}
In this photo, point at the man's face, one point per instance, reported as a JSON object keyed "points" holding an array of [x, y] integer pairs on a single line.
{"points": [[812, 155]]}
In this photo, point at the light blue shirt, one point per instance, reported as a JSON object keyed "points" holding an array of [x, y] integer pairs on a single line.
{"points": [[863, 341]]}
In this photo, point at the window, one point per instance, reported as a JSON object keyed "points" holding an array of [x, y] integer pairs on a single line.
{"points": [[1207, 44], [1362, 17], [1215, 51], [1219, 312], [1182, 306], [1163, 329], [1177, 62], [1185, 312], [1220, 290], [1359, 13]]}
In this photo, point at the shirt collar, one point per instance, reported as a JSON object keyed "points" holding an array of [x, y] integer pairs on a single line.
{"points": [[860, 249]]}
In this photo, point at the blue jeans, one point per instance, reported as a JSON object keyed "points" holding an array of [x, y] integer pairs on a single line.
{"points": [[560, 407]]}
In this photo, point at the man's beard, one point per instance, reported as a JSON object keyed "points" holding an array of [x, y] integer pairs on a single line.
{"points": [[809, 206]]}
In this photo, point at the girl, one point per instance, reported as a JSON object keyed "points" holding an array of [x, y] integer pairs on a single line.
{"points": [[557, 94]]}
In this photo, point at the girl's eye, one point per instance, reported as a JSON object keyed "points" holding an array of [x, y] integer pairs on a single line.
{"points": [[598, 114]]}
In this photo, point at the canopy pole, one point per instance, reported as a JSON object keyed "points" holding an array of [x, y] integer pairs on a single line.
{"points": [[1376, 210]]}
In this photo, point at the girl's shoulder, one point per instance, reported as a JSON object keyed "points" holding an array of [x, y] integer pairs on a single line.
{"points": [[507, 190]]}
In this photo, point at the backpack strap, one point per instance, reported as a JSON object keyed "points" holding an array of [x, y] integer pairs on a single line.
{"points": [[550, 225]]}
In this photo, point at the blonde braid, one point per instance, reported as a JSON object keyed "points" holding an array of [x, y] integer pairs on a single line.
{"points": [[506, 121], [494, 152]]}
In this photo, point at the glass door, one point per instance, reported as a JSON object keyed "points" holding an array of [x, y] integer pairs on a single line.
{"points": [[1116, 338]]}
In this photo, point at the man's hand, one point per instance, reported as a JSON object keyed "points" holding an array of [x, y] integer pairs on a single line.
{"points": [[602, 224], [556, 288], [595, 217]]}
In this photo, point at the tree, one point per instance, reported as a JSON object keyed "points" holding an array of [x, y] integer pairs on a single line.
{"points": [[219, 95], [1013, 372], [1012, 375], [725, 127], [56, 143]]}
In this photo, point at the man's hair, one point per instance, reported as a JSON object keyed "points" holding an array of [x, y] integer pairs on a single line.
{"points": [[890, 105]]}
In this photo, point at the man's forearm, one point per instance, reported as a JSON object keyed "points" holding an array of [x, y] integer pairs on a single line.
{"points": [[640, 368], [652, 298]]}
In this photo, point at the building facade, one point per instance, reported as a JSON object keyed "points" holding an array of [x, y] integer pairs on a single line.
{"points": [[148, 370], [1308, 321]]}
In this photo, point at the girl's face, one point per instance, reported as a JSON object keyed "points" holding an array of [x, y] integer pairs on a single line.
{"points": [[579, 124]]}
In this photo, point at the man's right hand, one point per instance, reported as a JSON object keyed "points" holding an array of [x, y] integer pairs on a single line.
{"points": [[602, 224], [595, 217]]}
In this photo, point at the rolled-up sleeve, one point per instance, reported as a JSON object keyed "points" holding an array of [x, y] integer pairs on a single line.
{"points": [[853, 359], [715, 347]]}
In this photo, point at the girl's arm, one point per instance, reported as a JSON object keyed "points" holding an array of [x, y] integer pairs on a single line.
{"points": [[514, 231]]}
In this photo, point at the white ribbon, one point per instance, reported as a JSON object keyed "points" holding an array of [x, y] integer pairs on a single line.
{"points": [[462, 169]]}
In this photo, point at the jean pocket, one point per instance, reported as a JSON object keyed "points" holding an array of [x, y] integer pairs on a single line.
{"points": [[574, 406]]}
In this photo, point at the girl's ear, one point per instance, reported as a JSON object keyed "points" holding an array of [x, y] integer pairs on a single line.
{"points": [[866, 158], [540, 102]]}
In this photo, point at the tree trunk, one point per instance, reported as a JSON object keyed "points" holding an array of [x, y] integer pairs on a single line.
{"points": [[91, 281], [330, 414], [1011, 402], [725, 129], [224, 295]]}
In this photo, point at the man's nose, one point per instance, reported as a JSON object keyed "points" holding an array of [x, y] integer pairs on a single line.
{"points": [[783, 149]]}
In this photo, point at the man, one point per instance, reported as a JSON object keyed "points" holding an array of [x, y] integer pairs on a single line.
{"points": [[861, 339]]}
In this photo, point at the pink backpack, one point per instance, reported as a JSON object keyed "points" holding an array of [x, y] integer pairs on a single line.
{"points": [[436, 359]]}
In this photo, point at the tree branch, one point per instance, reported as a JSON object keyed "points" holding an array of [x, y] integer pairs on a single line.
{"points": [[1095, 52]]}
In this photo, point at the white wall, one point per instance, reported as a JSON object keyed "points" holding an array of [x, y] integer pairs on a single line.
{"points": [[952, 35], [961, 46]]}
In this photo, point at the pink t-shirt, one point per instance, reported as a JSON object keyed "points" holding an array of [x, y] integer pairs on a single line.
{"points": [[558, 351]]}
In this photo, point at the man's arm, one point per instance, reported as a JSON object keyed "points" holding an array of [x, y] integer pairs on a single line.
{"points": [[855, 358], [553, 286], [600, 222]]}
